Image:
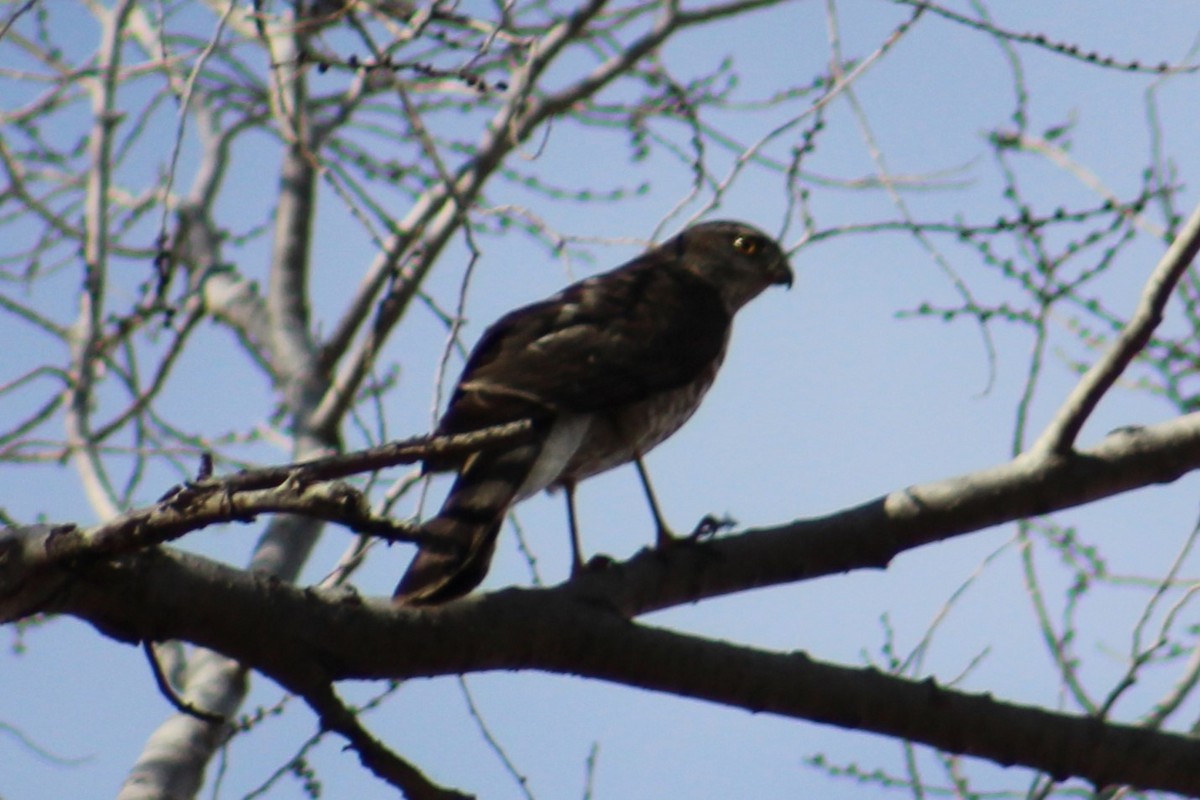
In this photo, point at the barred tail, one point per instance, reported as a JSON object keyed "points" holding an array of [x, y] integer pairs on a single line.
{"points": [[466, 527]]}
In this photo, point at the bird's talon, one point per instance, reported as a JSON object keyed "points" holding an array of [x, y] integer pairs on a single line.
{"points": [[711, 525]]}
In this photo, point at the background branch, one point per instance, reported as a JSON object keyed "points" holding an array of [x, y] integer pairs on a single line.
{"points": [[1060, 434]]}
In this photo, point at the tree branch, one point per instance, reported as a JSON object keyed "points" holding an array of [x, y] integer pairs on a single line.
{"points": [[303, 489], [576, 629], [373, 754], [168, 691], [1059, 436]]}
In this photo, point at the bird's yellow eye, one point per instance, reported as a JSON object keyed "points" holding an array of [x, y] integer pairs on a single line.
{"points": [[746, 245]]}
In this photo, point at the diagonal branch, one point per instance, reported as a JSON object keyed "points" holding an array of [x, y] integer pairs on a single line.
{"points": [[583, 627], [1059, 436], [374, 755], [867, 536], [309, 489]]}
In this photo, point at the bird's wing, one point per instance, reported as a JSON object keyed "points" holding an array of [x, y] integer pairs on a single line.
{"points": [[617, 338]]}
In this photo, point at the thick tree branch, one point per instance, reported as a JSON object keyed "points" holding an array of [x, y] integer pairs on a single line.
{"points": [[303, 637], [867, 536]]}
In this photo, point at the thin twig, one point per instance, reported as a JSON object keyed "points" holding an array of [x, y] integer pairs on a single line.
{"points": [[13, 17], [492, 741], [168, 691], [336, 716]]}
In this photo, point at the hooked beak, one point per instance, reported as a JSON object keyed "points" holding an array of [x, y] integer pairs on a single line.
{"points": [[782, 273]]}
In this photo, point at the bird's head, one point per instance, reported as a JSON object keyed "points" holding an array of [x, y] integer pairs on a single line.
{"points": [[739, 259]]}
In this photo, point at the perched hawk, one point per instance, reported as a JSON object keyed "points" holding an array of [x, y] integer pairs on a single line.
{"points": [[606, 369]]}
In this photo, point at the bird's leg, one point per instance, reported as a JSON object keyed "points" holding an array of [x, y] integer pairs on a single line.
{"points": [[663, 536], [577, 565]]}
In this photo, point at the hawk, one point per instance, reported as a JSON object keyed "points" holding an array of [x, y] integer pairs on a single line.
{"points": [[606, 370]]}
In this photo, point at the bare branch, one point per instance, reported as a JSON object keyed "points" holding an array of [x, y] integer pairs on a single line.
{"points": [[1059, 436], [15, 15], [297, 489], [375, 756], [866, 536], [165, 688], [583, 627], [88, 328]]}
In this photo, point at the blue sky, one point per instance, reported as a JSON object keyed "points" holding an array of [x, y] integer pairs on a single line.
{"points": [[828, 398]]}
